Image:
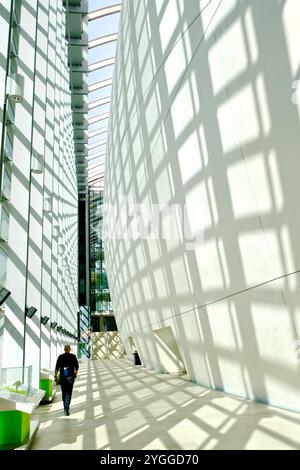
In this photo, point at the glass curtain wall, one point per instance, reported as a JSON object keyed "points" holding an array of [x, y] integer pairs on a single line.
{"points": [[99, 291]]}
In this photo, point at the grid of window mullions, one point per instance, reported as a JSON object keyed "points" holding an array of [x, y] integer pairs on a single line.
{"points": [[8, 127]]}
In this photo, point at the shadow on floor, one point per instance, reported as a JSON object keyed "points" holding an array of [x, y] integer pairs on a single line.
{"points": [[116, 405]]}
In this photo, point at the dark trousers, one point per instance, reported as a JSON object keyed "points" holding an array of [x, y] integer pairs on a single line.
{"points": [[67, 389]]}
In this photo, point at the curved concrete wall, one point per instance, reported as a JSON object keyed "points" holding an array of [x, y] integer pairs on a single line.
{"points": [[204, 115]]}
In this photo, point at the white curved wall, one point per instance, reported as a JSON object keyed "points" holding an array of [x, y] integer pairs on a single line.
{"points": [[203, 115]]}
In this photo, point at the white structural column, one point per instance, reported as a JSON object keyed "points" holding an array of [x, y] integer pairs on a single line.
{"points": [[48, 186], [36, 195], [203, 117], [57, 155], [13, 337], [4, 28]]}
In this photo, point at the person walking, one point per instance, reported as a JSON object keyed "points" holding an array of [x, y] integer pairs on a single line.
{"points": [[67, 365]]}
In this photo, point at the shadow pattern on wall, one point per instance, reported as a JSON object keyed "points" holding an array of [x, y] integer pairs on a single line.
{"points": [[203, 116], [107, 345]]}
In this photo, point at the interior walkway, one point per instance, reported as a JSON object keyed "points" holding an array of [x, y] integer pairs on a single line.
{"points": [[118, 406]]}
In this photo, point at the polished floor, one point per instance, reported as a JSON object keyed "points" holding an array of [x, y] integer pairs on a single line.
{"points": [[119, 406]]}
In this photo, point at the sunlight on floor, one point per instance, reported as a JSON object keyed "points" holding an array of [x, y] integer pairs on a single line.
{"points": [[117, 406]]}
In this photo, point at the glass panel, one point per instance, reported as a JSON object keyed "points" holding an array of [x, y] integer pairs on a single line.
{"points": [[107, 25], [100, 74], [10, 112], [99, 94], [95, 324], [15, 38], [6, 184], [8, 147], [97, 4], [17, 10], [16, 380], [100, 27], [110, 324], [4, 224], [98, 125], [105, 51], [104, 108], [3, 260], [94, 151], [94, 139]]}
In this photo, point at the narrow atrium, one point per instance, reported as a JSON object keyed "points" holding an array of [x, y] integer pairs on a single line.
{"points": [[149, 232]]}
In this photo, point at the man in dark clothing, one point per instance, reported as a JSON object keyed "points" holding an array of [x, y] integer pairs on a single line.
{"points": [[67, 365]]}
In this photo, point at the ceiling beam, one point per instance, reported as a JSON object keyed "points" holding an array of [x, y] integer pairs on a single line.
{"points": [[98, 132], [97, 144], [101, 64], [96, 155], [96, 165], [95, 15], [97, 103], [98, 118], [103, 40], [99, 85]]}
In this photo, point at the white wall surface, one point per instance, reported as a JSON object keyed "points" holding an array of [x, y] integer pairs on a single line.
{"points": [[43, 124], [202, 115], [4, 28]]}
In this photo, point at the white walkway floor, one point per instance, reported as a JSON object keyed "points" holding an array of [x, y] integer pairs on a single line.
{"points": [[118, 406]]}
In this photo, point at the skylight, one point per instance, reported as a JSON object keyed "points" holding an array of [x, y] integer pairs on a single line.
{"points": [[104, 16]]}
